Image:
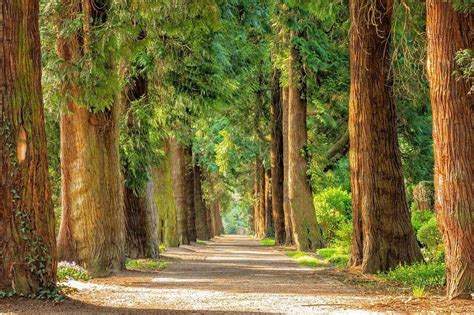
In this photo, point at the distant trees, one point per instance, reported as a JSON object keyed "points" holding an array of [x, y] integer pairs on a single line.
{"points": [[450, 32], [27, 242]]}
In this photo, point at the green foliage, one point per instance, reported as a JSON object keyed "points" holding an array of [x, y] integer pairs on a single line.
{"points": [[418, 292], [306, 259], [146, 264], [429, 235], [337, 256], [426, 275], [268, 242], [419, 218], [465, 61], [333, 209], [67, 271]]}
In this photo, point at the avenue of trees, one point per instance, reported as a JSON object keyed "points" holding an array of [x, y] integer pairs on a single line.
{"points": [[130, 124]]}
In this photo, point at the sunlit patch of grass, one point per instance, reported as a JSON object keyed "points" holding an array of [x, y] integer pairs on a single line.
{"points": [[306, 259], [146, 264], [418, 292], [162, 247], [335, 256], [199, 242], [268, 242]]}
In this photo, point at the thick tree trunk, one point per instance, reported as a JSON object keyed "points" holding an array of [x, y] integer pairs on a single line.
{"points": [[202, 228], [453, 132], [256, 196], [261, 203], [179, 189], [383, 235], [26, 211], [165, 201], [277, 161], [268, 204], [286, 199], [189, 193], [306, 231]]}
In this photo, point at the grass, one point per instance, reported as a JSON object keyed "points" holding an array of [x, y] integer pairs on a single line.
{"points": [[419, 292], [162, 247], [306, 259], [268, 242], [67, 271], [422, 275], [146, 264], [335, 256]]}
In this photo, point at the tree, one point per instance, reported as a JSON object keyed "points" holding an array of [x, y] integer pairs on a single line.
{"points": [[383, 237], [178, 177], [450, 31], [27, 245], [277, 161], [92, 222], [189, 192], [306, 231], [202, 227], [286, 200]]}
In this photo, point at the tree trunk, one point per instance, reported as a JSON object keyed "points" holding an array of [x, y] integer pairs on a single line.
{"points": [[189, 193], [179, 189], [202, 228], [453, 132], [26, 210], [286, 199], [306, 231], [92, 222], [165, 201], [256, 195], [140, 220], [261, 203], [277, 161], [383, 235], [268, 205]]}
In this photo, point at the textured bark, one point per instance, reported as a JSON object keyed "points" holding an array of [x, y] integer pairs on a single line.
{"points": [[165, 201], [256, 197], [92, 222], [286, 199], [306, 231], [202, 228], [179, 189], [140, 211], [26, 210], [189, 193], [453, 132], [383, 235], [268, 205], [277, 161], [261, 204]]}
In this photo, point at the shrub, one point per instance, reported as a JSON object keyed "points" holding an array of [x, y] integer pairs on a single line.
{"points": [[337, 256], [145, 264], [67, 271], [419, 218], [333, 208], [429, 235], [429, 275]]}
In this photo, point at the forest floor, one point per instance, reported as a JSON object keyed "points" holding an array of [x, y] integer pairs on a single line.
{"points": [[234, 275]]}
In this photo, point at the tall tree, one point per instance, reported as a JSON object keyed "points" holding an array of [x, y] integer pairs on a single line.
{"points": [[277, 161], [92, 222], [189, 192], [286, 199], [27, 242], [202, 227], [383, 236], [306, 231], [449, 32], [179, 189]]}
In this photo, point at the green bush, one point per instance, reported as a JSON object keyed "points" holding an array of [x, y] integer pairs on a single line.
{"points": [[429, 235], [419, 218], [429, 275], [67, 271], [337, 256], [145, 264], [333, 209]]}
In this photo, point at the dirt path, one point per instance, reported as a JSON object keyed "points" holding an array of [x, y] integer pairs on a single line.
{"points": [[232, 275]]}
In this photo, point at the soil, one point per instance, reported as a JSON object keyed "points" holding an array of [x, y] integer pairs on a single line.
{"points": [[234, 275]]}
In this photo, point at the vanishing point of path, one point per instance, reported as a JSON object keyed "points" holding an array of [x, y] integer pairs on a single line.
{"points": [[231, 274]]}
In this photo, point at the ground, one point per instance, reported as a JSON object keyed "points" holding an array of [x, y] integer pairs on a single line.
{"points": [[233, 275]]}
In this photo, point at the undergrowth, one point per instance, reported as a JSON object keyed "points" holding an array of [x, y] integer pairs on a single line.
{"points": [[268, 242], [306, 259], [67, 271], [146, 264], [422, 275]]}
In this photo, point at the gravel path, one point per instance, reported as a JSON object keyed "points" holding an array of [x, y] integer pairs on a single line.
{"points": [[232, 274]]}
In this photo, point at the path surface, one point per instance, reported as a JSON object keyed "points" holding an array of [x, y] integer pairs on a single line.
{"points": [[232, 274]]}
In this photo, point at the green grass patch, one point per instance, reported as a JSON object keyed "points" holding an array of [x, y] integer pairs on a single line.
{"points": [[306, 259], [268, 242], [146, 264], [199, 242], [68, 271], [162, 247], [335, 256], [422, 275]]}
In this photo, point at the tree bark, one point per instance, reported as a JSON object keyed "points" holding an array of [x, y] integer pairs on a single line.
{"points": [[268, 204], [286, 200], [26, 210], [92, 222], [202, 228], [189, 193], [383, 236], [179, 189], [306, 231], [277, 161], [453, 133], [261, 203], [165, 201]]}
